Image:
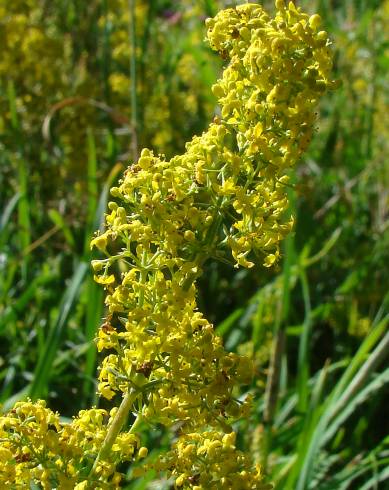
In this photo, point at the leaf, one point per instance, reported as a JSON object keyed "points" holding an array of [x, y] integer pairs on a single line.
{"points": [[44, 367]]}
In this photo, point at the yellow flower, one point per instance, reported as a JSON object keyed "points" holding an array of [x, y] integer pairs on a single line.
{"points": [[225, 194], [105, 279]]}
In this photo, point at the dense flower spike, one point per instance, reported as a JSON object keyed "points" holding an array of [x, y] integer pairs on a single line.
{"points": [[35, 446], [210, 460], [224, 199]]}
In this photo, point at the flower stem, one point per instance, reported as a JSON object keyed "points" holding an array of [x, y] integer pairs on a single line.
{"points": [[133, 71], [116, 426]]}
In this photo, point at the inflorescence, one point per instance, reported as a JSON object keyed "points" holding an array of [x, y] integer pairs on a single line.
{"points": [[223, 199]]}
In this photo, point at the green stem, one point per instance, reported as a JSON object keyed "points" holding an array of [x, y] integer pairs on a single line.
{"points": [[136, 424], [133, 72], [128, 400], [116, 426]]}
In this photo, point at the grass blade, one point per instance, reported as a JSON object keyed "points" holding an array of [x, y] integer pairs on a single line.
{"points": [[303, 355], [94, 313], [225, 326], [372, 388], [24, 226], [8, 210], [309, 452], [11, 313], [43, 370], [94, 310], [59, 221]]}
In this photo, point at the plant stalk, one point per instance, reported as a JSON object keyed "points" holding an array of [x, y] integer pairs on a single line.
{"points": [[116, 426], [133, 73]]}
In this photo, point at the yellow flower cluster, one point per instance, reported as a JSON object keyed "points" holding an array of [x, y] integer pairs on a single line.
{"points": [[32, 59], [209, 460], [46, 58], [227, 191], [37, 448], [223, 199]]}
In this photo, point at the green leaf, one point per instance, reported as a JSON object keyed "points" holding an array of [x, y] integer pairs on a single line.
{"points": [[44, 367]]}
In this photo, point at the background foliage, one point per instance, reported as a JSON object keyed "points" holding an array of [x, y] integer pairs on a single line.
{"points": [[83, 86]]}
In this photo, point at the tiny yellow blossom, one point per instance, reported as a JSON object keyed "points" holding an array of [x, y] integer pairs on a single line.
{"points": [[225, 196]]}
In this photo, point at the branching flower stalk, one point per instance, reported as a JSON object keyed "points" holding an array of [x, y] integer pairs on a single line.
{"points": [[115, 427], [224, 198]]}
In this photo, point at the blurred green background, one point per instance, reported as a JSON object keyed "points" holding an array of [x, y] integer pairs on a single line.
{"points": [[83, 87]]}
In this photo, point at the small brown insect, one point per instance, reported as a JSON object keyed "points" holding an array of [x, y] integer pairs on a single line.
{"points": [[134, 169], [22, 458], [171, 197], [224, 54], [194, 479], [145, 369], [106, 327]]}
